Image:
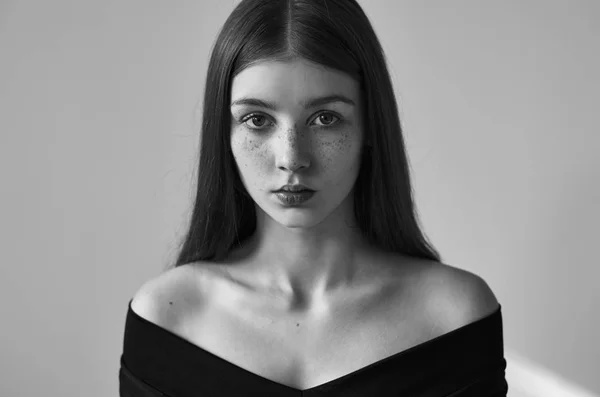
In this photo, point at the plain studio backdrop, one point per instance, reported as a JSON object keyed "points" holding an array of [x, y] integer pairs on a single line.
{"points": [[99, 125]]}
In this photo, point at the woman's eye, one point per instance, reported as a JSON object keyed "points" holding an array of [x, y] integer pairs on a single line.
{"points": [[324, 117], [253, 118]]}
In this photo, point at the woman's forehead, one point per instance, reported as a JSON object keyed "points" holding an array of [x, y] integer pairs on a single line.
{"points": [[298, 79]]}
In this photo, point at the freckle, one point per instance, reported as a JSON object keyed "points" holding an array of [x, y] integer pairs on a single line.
{"points": [[170, 303]]}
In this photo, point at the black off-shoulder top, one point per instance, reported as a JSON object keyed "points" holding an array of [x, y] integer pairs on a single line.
{"points": [[466, 362]]}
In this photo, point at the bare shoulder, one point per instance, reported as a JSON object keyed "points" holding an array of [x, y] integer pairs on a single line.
{"points": [[165, 298], [449, 297], [457, 297]]}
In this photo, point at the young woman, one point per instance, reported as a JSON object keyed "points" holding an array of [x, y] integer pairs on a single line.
{"points": [[304, 271]]}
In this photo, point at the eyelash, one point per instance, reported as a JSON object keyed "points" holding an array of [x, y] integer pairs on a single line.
{"points": [[324, 127]]}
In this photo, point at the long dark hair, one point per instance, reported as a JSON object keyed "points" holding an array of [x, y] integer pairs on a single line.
{"points": [[338, 35]]}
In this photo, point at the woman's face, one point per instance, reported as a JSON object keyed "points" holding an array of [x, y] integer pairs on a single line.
{"points": [[318, 146]]}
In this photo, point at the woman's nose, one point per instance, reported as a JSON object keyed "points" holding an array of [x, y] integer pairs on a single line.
{"points": [[292, 151]]}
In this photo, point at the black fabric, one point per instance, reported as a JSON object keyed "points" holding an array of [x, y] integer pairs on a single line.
{"points": [[466, 362]]}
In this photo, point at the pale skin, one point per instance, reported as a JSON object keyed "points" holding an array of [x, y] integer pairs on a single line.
{"points": [[306, 300], [300, 254]]}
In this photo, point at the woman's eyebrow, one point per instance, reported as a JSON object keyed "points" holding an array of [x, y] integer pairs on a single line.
{"points": [[310, 103]]}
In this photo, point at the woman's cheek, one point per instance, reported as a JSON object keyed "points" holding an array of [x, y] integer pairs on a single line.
{"points": [[246, 150], [338, 153], [257, 162]]}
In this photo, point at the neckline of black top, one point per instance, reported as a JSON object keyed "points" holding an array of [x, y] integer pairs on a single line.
{"points": [[476, 332]]}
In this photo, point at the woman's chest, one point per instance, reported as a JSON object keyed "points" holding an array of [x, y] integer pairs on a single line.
{"points": [[303, 351]]}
